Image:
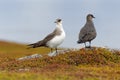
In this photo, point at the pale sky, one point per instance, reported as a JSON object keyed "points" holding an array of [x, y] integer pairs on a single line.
{"points": [[28, 21]]}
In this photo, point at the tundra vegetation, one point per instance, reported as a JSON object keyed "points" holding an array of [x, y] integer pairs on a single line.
{"points": [[83, 64]]}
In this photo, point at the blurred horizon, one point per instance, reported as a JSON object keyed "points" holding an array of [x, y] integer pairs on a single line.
{"points": [[28, 21]]}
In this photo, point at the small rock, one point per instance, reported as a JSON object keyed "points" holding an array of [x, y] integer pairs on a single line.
{"points": [[58, 52], [30, 57]]}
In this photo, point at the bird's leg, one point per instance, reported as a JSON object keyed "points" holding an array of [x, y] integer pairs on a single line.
{"points": [[56, 50], [85, 45], [51, 50], [89, 44]]}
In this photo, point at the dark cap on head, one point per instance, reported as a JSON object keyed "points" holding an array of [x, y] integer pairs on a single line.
{"points": [[58, 20], [90, 15]]}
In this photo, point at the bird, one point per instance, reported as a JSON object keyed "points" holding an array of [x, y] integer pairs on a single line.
{"points": [[52, 40], [87, 32]]}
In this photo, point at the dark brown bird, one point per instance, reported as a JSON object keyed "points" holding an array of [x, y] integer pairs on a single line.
{"points": [[88, 32]]}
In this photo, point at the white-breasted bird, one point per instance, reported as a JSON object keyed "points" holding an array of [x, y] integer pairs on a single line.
{"points": [[52, 40]]}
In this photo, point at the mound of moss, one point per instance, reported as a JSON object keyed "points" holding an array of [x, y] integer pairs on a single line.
{"points": [[95, 56]]}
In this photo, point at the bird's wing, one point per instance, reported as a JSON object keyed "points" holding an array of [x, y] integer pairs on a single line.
{"points": [[44, 41], [87, 34], [49, 36], [83, 33]]}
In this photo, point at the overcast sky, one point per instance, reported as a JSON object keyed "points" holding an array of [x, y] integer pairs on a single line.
{"points": [[28, 21]]}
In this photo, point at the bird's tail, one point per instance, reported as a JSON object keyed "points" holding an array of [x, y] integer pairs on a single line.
{"points": [[79, 41], [34, 45]]}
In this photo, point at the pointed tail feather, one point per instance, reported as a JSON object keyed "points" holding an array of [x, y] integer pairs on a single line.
{"points": [[79, 41], [30, 46], [35, 45]]}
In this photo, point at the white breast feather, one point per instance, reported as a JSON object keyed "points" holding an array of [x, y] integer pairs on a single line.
{"points": [[57, 40]]}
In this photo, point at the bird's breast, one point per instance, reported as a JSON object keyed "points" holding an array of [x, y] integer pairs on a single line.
{"points": [[57, 40]]}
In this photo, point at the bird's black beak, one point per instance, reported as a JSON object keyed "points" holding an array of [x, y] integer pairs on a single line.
{"points": [[93, 17], [55, 22]]}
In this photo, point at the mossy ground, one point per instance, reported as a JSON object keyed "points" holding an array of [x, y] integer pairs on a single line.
{"points": [[96, 64]]}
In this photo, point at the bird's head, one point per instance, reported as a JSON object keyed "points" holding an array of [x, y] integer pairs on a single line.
{"points": [[90, 17], [58, 21]]}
